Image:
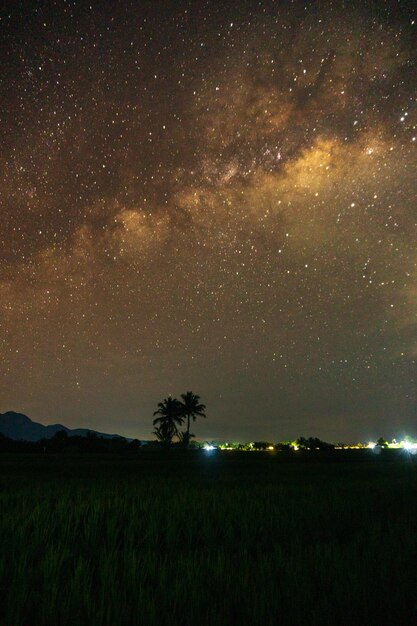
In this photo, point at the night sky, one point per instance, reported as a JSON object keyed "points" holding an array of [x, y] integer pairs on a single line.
{"points": [[210, 196]]}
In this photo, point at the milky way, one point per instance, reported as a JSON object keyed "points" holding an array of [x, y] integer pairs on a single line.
{"points": [[216, 197]]}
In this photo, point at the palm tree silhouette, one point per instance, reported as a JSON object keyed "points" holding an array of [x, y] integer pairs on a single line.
{"points": [[164, 434], [170, 416], [191, 409], [184, 437]]}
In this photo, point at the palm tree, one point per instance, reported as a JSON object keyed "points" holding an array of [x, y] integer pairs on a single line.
{"points": [[191, 409], [184, 437], [170, 416], [163, 435]]}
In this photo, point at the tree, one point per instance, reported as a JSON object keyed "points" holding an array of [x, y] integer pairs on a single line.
{"points": [[191, 409], [262, 445], [134, 445], [313, 443], [170, 416], [163, 435], [185, 437]]}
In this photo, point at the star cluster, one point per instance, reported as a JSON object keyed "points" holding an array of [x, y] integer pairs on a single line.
{"points": [[210, 196]]}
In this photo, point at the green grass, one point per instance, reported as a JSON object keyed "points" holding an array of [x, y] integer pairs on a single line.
{"points": [[242, 538]]}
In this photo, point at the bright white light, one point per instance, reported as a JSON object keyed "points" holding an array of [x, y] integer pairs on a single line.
{"points": [[208, 447], [411, 447], [371, 445]]}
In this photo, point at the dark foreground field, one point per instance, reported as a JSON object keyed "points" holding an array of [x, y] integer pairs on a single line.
{"points": [[241, 538]]}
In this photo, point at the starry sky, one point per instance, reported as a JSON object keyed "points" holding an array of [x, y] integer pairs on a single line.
{"points": [[215, 196]]}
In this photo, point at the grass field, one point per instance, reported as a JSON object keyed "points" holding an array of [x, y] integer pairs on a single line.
{"points": [[243, 538]]}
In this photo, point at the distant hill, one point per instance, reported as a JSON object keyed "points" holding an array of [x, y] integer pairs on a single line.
{"points": [[20, 427]]}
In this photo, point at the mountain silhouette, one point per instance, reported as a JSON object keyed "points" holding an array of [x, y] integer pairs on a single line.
{"points": [[20, 427]]}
